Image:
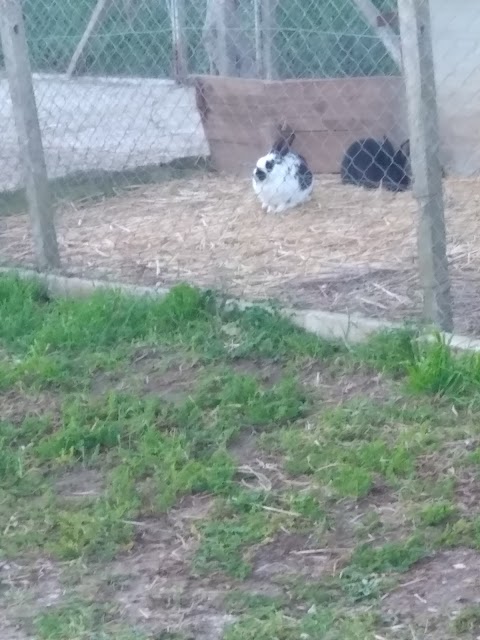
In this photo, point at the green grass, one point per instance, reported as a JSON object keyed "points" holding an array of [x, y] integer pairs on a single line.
{"points": [[82, 619], [438, 513], [313, 624], [173, 453], [467, 621]]}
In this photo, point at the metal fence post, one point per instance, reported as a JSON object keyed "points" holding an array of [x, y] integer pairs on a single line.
{"points": [[419, 75], [17, 64]]}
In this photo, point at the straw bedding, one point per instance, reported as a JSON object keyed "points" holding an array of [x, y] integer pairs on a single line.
{"points": [[349, 249]]}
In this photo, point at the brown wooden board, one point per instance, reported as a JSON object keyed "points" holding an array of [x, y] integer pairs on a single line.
{"points": [[240, 115]]}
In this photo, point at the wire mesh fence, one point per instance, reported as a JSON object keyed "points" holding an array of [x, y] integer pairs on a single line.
{"points": [[153, 116], [135, 38]]}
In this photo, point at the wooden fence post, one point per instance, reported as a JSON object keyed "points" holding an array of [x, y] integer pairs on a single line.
{"points": [[419, 73], [177, 12], [17, 64], [269, 29], [265, 27], [258, 24]]}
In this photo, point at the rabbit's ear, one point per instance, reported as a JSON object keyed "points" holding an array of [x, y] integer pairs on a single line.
{"points": [[284, 139]]}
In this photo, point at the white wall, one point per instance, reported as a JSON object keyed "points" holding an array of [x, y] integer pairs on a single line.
{"points": [[456, 47]]}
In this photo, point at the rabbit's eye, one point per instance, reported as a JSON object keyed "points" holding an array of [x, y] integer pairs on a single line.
{"points": [[269, 165]]}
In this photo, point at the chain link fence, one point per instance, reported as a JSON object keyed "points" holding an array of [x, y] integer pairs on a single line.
{"points": [[153, 114], [134, 38]]}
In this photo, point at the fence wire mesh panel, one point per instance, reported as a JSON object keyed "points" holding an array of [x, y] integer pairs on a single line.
{"points": [[155, 114]]}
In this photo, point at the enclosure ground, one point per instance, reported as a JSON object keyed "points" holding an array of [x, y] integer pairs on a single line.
{"points": [[348, 250], [171, 470]]}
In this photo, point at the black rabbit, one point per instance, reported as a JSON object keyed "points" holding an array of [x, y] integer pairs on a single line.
{"points": [[371, 163]]}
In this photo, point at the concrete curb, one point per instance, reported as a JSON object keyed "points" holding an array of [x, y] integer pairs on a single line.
{"points": [[325, 324]]}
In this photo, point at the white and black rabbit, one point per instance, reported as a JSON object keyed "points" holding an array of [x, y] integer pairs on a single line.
{"points": [[282, 179], [371, 163]]}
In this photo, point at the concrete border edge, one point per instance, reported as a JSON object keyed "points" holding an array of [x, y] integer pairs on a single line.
{"points": [[350, 328]]}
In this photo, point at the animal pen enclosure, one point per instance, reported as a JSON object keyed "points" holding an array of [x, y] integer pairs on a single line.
{"points": [[152, 113]]}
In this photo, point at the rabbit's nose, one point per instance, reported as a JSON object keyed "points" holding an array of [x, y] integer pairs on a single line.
{"points": [[259, 174]]}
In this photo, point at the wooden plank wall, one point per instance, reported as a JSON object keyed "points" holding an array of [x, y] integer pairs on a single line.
{"points": [[239, 116]]}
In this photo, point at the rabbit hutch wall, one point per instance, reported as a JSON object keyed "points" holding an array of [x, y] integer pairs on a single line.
{"points": [[239, 115]]}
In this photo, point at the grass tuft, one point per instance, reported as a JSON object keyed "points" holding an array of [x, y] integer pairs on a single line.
{"points": [[393, 556]]}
